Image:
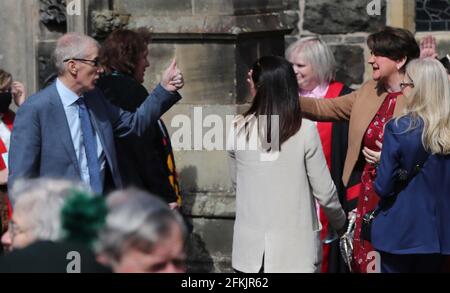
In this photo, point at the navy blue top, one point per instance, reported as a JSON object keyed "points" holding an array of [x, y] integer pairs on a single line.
{"points": [[418, 222]]}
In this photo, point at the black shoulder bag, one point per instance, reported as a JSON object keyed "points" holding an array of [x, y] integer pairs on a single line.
{"points": [[402, 180]]}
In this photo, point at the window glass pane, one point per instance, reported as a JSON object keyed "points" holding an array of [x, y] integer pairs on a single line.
{"points": [[432, 15]]}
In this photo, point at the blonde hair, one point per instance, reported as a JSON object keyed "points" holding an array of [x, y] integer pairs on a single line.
{"points": [[317, 53], [430, 101], [5, 79]]}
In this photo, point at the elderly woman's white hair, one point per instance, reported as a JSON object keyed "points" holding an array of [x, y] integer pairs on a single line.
{"points": [[40, 202], [137, 220], [71, 45], [316, 53]]}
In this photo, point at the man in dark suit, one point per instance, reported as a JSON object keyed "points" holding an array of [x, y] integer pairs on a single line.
{"points": [[67, 130]]}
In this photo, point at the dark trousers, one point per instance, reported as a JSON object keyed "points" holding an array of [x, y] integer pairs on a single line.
{"points": [[411, 263]]}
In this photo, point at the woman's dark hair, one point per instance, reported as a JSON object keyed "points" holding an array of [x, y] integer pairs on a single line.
{"points": [[276, 94], [122, 50], [395, 44]]}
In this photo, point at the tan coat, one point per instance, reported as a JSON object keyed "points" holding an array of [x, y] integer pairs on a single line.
{"points": [[359, 107], [276, 214]]}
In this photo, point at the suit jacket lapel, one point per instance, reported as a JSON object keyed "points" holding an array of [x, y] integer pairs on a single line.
{"points": [[62, 130]]}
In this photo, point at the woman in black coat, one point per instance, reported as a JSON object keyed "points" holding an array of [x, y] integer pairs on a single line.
{"points": [[145, 162]]}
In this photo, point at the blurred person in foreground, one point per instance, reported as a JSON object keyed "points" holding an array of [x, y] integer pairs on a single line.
{"points": [[49, 217], [141, 235]]}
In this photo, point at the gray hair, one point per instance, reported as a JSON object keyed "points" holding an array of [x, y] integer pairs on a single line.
{"points": [[71, 45], [318, 54], [41, 201], [136, 219]]}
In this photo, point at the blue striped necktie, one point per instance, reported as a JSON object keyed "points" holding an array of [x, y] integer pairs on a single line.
{"points": [[90, 147]]}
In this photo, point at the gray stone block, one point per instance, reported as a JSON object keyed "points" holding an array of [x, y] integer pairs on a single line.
{"points": [[261, 6], [341, 16], [203, 171], [213, 7], [209, 246], [200, 170], [46, 64], [247, 52], [209, 204], [208, 69], [19, 21], [288, 40], [443, 47], [215, 71], [331, 39], [356, 40], [292, 4], [214, 26], [169, 8], [350, 60]]}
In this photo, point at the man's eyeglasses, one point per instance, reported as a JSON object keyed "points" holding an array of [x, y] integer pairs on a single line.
{"points": [[95, 62]]}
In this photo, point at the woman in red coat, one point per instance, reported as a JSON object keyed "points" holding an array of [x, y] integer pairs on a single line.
{"points": [[315, 68], [9, 90]]}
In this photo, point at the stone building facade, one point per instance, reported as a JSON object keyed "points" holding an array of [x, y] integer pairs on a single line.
{"points": [[215, 42]]}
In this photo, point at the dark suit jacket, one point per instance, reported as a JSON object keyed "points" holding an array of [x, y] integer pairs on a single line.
{"points": [[41, 144], [418, 220]]}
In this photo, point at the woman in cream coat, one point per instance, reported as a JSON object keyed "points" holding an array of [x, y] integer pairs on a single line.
{"points": [[277, 228]]}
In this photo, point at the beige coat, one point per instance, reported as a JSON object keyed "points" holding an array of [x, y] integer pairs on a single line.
{"points": [[276, 214], [359, 107]]}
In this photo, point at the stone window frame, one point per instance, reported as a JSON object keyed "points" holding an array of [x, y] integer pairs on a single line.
{"points": [[402, 13]]}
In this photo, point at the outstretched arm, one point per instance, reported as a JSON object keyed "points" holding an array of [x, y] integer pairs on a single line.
{"points": [[163, 97], [338, 109]]}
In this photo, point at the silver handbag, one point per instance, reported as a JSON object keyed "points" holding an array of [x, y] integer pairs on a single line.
{"points": [[346, 242]]}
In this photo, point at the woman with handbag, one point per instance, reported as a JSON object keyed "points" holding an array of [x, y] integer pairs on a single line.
{"points": [[411, 231], [277, 229], [368, 109]]}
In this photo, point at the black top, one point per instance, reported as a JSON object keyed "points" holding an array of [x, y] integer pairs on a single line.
{"points": [[142, 160]]}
